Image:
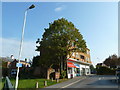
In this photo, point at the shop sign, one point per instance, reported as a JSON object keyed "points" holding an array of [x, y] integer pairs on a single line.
{"points": [[69, 64]]}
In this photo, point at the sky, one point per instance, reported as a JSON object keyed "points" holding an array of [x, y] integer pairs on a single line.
{"points": [[96, 21]]}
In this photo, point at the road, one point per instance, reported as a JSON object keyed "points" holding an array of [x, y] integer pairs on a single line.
{"points": [[100, 81], [96, 82]]}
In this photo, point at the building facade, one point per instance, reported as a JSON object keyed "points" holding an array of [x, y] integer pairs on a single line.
{"points": [[78, 64]]}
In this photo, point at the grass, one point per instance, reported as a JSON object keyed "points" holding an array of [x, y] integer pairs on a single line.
{"points": [[1, 84], [31, 83]]}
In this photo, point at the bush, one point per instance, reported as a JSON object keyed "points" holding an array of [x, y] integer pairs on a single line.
{"points": [[102, 70]]}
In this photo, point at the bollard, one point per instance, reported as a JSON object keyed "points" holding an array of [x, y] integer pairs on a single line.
{"points": [[36, 84], [57, 80], [52, 79], [45, 83]]}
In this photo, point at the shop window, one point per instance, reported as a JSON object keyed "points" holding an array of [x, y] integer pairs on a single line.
{"points": [[78, 70], [69, 70]]}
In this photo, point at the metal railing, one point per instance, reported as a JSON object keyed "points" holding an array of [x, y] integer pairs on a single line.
{"points": [[8, 85], [118, 81]]}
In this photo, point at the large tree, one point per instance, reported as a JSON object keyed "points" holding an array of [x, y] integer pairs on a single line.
{"points": [[60, 39], [112, 61]]}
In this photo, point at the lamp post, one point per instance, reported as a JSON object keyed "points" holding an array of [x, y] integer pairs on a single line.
{"points": [[16, 84]]}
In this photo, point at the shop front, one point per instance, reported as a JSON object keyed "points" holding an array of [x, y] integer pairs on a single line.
{"points": [[73, 69], [77, 69]]}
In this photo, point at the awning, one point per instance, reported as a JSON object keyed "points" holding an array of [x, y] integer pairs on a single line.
{"points": [[69, 64], [77, 66]]}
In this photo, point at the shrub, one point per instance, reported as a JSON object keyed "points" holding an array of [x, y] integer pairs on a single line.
{"points": [[102, 70]]}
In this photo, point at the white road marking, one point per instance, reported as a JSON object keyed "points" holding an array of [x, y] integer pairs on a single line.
{"points": [[99, 78], [73, 83]]}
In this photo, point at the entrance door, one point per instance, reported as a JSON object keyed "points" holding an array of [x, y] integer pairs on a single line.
{"points": [[83, 71], [78, 71], [69, 72]]}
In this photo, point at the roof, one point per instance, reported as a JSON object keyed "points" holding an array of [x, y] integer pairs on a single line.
{"points": [[74, 60], [6, 59]]}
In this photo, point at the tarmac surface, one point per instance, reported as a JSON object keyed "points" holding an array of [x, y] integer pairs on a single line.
{"points": [[96, 82]]}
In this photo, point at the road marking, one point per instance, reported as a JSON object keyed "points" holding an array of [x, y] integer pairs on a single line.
{"points": [[72, 83], [99, 78]]}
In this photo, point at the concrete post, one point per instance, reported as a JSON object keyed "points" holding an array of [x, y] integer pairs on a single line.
{"points": [[45, 83], [57, 80], [52, 79], [36, 84]]}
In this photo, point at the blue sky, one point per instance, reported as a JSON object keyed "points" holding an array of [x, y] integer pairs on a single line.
{"points": [[97, 22]]}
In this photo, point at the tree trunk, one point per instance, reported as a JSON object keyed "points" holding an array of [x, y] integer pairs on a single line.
{"points": [[66, 70], [48, 74], [60, 68], [64, 63]]}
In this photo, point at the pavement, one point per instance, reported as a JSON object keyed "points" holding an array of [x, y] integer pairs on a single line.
{"points": [[88, 82]]}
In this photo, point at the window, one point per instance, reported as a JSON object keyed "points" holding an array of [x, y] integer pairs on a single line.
{"points": [[13, 71], [88, 59], [82, 57], [69, 70], [73, 54], [77, 55]]}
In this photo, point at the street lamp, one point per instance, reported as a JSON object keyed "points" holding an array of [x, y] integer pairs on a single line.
{"points": [[31, 7]]}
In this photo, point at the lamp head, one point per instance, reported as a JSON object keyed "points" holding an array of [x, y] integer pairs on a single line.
{"points": [[32, 6]]}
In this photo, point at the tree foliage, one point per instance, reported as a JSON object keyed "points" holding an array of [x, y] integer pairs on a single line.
{"points": [[112, 61], [56, 43]]}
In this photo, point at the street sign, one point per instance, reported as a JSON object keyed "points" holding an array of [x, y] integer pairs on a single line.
{"points": [[19, 65], [57, 75]]}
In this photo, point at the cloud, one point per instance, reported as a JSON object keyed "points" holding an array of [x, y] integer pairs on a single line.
{"points": [[57, 9], [12, 46]]}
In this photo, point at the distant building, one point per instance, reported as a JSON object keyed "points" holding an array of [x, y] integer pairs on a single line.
{"points": [[6, 61], [11, 62], [13, 67]]}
